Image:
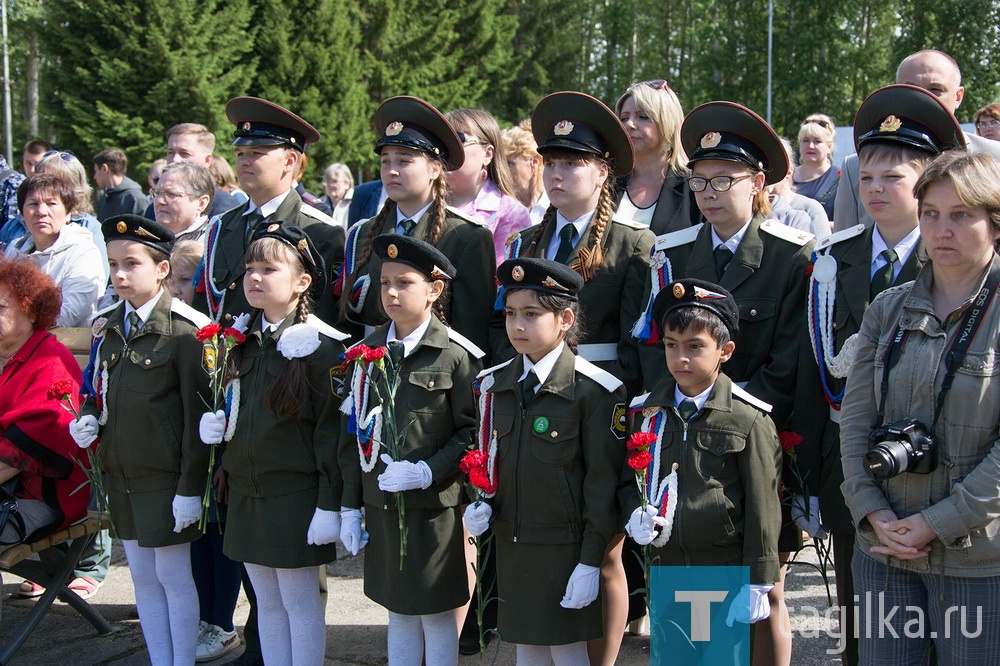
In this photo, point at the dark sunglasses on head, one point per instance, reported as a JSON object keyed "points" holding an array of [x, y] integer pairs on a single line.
{"points": [[658, 84], [821, 123], [65, 156]]}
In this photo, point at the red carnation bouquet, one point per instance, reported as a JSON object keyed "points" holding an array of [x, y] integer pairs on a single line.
{"points": [[475, 463], [63, 391]]}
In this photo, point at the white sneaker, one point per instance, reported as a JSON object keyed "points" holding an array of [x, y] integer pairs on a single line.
{"points": [[215, 642], [202, 628]]}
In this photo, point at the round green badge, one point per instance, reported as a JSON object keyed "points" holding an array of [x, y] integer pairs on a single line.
{"points": [[541, 424]]}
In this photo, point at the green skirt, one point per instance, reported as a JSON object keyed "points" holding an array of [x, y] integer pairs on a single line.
{"points": [[271, 531], [148, 518]]}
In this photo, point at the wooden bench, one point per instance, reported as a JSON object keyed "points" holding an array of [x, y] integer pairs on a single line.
{"points": [[77, 340], [15, 560]]}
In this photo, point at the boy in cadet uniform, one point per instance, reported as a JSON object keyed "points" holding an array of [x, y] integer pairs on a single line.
{"points": [[720, 508], [899, 129]]}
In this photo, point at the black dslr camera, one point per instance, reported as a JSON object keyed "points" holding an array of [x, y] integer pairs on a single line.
{"points": [[903, 446]]}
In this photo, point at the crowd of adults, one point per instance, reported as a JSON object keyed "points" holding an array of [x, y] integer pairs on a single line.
{"points": [[928, 538]]}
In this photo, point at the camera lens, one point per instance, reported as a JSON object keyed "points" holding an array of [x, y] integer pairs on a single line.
{"points": [[889, 458]]}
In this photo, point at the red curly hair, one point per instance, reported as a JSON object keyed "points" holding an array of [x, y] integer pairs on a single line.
{"points": [[33, 291]]}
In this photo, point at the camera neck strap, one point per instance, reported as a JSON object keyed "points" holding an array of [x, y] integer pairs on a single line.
{"points": [[955, 356]]}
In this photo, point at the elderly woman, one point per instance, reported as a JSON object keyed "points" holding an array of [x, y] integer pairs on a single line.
{"points": [[919, 434], [65, 252], [987, 120], [815, 176], [656, 193], [338, 191], [181, 198], [36, 451]]}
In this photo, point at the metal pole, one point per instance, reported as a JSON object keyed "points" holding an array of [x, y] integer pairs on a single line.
{"points": [[770, 37], [6, 89]]}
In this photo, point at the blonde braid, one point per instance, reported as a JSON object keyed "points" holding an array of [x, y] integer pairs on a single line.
{"points": [[591, 260], [438, 211], [373, 226], [303, 308], [549, 218]]}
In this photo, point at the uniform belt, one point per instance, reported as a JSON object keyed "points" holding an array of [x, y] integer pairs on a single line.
{"points": [[607, 351], [834, 415]]}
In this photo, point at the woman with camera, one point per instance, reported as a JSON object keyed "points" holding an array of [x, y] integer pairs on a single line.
{"points": [[919, 434]]}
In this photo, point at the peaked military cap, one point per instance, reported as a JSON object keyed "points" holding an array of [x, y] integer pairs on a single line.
{"points": [[697, 294], [138, 229], [542, 275], [262, 123], [415, 253], [575, 121], [294, 237], [907, 115], [733, 133], [410, 122]]}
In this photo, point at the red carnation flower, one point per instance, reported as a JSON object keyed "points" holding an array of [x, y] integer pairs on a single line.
{"points": [[789, 440], [208, 332], [641, 440], [354, 353], [61, 390], [472, 460], [374, 354], [639, 460], [479, 478], [237, 337]]}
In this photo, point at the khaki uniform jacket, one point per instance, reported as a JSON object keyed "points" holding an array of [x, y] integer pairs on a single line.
{"points": [[435, 393], [469, 247], [228, 265], [729, 463], [271, 456], [959, 498], [155, 392], [558, 459], [812, 415], [610, 300], [767, 277]]}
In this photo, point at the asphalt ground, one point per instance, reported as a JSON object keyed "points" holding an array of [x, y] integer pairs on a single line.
{"points": [[356, 627]]}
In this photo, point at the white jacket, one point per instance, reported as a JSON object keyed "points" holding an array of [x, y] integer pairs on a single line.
{"points": [[75, 264]]}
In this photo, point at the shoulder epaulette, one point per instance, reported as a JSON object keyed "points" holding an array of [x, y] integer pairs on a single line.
{"points": [[745, 396], [489, 371], [465, 343], [326, 329], [107, 308], [465, 216], [638, 401], [316, 214], [785, 232], [602, 377], [676, 238], [184, 310], [841, 235], [621, 219]]}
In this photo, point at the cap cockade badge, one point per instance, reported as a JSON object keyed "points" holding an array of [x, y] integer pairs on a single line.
{"points": [[271, 228], [562, 128], [393, 128], [517, 273], [890, 124], [678, 290], [245, 127], [392, 251], [121, 227], [711, 140]]}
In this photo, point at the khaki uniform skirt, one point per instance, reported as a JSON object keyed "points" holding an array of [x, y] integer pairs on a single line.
{"points": [[155, 525]]}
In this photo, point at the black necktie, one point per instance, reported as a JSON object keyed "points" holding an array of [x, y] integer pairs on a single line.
{"points": [[722, 255], [407, 227], [565, 243], [133, 325], [883, 277], [252, 220], [687, 409], [528, 386]]}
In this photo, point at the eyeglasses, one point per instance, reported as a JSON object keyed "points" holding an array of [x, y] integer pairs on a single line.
{"points": [[169, 195], [658, 84], [988, 124], [469, 140], [718, 183], [817, 121], [65, 156]]}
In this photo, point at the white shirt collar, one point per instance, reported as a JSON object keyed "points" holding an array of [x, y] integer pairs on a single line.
{"points": [[411, 340], [734, 241], [197, 224], [416, 218], [143, 310], [266, 326], [579, 223], [904, 249], [267, 210], [699, 400], [544, 366]]}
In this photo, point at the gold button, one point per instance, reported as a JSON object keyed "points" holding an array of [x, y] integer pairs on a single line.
{"points": [[430, 384], [834, 326], [148, 361], [229, 317], [232, 286], [753, 312], [554, 434], [495, 433]]}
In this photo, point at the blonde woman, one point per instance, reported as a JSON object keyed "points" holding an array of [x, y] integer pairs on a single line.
{"points": [[815, 176]]}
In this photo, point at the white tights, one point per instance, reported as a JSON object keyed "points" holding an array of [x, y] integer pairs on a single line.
{"points": [[167, 601], [573, 654], [409, 635], [290, 616]]}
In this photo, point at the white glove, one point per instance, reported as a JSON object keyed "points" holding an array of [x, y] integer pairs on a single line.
{"points": [[642, 524], [403, 475], [323, 528], [477, 517], [212, 427], [83, 430], [187, 511], [809, 521], [350, 530], [581, 590], [750, 605]]}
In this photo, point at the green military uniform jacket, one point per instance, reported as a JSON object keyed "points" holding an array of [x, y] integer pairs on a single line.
{"points": [[729, 463], [435, 396], [559, 458], [471, 294], [155, 393], [767, 277], [226, 265], [610, 301], [852, 248]]}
